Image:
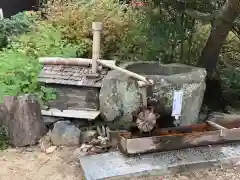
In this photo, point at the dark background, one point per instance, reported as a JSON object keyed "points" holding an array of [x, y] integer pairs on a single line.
{"points": [[12, 7]]}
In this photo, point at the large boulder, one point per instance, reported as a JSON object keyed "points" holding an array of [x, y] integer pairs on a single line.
{"points": [[119, 96], [167, 78]]}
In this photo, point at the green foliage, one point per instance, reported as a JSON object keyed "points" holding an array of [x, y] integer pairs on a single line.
{"points": [[129, 33], [45, 40], [4, 139], [18, 24], [18, 75]]}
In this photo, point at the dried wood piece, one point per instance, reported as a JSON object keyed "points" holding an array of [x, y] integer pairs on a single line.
{"points": [[146, 120], [82, 114], [24, 123], [217, 126]]}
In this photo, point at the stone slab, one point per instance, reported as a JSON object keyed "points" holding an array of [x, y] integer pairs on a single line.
{"points": [[114, 164]]}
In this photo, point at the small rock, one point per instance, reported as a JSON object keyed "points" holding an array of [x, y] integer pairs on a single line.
{"points": [[45, 142], [3, 158], [95, 142], [87, 136], [85, 147], [51, 149], [65, 133]]}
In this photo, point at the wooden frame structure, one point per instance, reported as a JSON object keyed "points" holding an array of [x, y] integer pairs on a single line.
{"points": [[208, 133]]}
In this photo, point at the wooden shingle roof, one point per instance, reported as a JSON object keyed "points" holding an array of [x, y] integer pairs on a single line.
{"points": [[70, 75]]}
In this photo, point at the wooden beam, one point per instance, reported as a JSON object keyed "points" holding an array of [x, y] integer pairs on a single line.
{"points": [[96, 28], [72, 61], [81, 114]]}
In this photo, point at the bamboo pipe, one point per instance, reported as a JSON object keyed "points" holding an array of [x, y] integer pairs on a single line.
{"points": [[70, 61], [129, 73], [217, 126], [96, 28]]}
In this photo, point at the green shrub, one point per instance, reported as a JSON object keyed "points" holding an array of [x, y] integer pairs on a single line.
{"points": [[45, 40], [129, 34], [18, 75], [17, 24]]}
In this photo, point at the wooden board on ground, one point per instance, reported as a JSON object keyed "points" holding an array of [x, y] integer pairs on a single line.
{"points": [[208, 133], [81, 114]]}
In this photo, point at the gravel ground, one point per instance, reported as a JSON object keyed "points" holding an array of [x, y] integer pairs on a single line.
{"points": [[32, 164]]}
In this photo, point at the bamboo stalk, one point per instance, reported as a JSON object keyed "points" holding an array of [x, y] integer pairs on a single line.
{"points": [[71, 61], [217, 126], [96, 27], [129, 73]]}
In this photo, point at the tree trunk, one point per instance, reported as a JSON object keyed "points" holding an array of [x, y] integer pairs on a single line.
{"points": [[22, 117], [221, 26]]}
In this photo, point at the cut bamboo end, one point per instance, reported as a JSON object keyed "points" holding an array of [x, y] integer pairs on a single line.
{"points": [[97, 26]]}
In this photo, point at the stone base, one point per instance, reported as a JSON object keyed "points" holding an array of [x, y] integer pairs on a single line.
{"points": [[114, 164]]}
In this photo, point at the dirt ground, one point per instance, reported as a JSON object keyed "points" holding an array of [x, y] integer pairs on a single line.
{"points": [[32, 164]]}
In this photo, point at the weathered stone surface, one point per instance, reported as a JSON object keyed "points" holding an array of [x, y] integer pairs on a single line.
{"points": [[22, 118], [119, 96], [65, 133], [116, 166], [168, 78]]}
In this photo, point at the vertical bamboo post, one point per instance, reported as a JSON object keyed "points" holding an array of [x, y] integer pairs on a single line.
{"points": [[96, 28], [1, 14]]}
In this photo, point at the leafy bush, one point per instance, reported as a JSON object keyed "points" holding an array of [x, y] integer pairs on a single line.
{"points": [[129, 33], [18, 75], [45, 40], [18, 24]]}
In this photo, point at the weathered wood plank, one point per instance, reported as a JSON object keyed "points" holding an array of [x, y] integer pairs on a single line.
{"points": [[81, 114], [73, 97]]}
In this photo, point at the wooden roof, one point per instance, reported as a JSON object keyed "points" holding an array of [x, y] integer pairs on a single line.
{"points": [[70, 75]]}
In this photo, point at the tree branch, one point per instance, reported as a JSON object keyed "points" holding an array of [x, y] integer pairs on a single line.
{"points": [[199, 15]]}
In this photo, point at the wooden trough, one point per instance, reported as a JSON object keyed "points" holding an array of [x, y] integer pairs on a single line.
{"points": [[208, 133]]}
